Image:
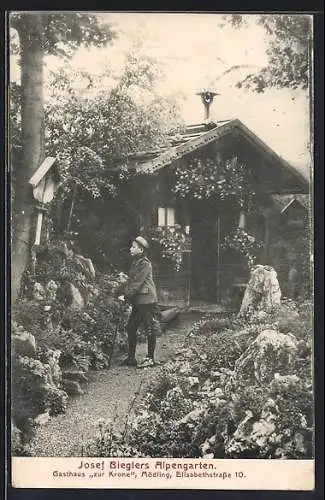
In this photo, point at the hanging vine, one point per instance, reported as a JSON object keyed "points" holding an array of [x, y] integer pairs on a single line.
{"points": [[172, 242], [245, 244]]}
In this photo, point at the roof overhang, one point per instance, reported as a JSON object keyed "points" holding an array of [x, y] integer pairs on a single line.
{"points": [[174, 153]]}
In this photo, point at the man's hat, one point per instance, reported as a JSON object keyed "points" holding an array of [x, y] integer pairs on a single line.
{"points": [[142, 241]]}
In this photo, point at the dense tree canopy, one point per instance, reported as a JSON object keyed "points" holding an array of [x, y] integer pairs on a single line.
{"points": [[289, 51], [39, 34], [62, 33]]}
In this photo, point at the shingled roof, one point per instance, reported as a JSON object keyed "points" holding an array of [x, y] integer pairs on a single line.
{"points": [[199, 135]]}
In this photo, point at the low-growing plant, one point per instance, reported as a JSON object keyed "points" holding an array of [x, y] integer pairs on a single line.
{"points": [[189, 412]]}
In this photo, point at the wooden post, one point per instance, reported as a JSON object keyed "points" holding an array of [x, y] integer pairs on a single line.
{"points": [[267, 237], [74, 193], [38, 227], [39, 220], [242, 220]]}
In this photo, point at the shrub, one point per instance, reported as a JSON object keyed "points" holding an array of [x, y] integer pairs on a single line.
{"points": [[32, 393], [83, 337], [188, 411]]}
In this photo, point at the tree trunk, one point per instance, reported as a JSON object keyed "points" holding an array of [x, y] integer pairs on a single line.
{"points": [[30, 34]]}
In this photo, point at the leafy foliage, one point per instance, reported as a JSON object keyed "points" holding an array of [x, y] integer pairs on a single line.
{"points": [[244, 243], [109, 124], [218, 178], [65, 32], [289, 51], [189, 410], [172, 242], [81, 339], [32, 392]]}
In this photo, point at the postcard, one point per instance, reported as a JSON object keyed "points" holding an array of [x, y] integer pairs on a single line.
{"points": [[162, 259]]}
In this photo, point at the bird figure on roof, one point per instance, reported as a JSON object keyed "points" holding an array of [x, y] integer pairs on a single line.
{"points": [[207, 97]]}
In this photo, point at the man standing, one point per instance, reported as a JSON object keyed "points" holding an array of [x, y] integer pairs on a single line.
{"points": [[140, 291]]}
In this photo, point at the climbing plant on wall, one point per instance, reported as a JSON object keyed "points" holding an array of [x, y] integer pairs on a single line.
{"points": [[218, 178], [171, 242], [245, 244]]}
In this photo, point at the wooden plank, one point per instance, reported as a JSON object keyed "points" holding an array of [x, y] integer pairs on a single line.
{"points": [[38, 228], [41, 171], [191, 145]]}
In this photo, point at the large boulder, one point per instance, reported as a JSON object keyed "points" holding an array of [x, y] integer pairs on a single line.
{"points": [[253, 437], [270, 353], [24, 343], [262, 293]]}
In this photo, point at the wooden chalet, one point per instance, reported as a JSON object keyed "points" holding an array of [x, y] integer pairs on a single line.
{"points": [[209, 274]]}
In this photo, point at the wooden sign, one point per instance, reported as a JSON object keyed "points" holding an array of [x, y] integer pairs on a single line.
{"points": [[45, 189], [44, 182], [42, 171]]}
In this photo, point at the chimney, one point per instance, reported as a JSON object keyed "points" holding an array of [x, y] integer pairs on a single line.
{"points": [[207, 97]]}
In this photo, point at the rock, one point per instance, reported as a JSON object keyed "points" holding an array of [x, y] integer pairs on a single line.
{"points": [[71, 387], [16, 440], [51, 361], [51, 289], [87, 317], [77, 375], [24, 343], [251, 437], [218, 393], [262, 430], [38, 292], [185, 368], [42, 418], [262, 293], [270, 353], [77, 302], [191, 419], [175, 396], [87, 266], [193, 382]]}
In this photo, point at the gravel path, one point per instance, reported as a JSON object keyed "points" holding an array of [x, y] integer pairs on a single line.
{"points": [[108, 393]]}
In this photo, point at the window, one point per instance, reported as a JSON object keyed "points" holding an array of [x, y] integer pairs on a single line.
{"points": [[166, 216]]}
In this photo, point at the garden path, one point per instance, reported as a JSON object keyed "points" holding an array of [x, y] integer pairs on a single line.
{"points": [[108, 394]]}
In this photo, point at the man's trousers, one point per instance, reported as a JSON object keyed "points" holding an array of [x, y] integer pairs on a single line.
{"points": [[145, 315]]}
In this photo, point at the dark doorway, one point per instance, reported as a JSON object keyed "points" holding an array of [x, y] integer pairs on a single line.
{"points": [[205, 258]]}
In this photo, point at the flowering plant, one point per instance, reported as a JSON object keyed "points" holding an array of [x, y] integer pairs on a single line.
{"points": [[204, 178], [244, 243], [172, 242]]}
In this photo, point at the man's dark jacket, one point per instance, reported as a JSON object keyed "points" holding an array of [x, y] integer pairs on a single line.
{"points": [[140, 287]]}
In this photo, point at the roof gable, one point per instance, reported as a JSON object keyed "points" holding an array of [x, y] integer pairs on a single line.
{"points": [[198, 136]]}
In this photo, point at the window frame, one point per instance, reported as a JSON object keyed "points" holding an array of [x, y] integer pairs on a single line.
{"points": [[167, 214]]}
